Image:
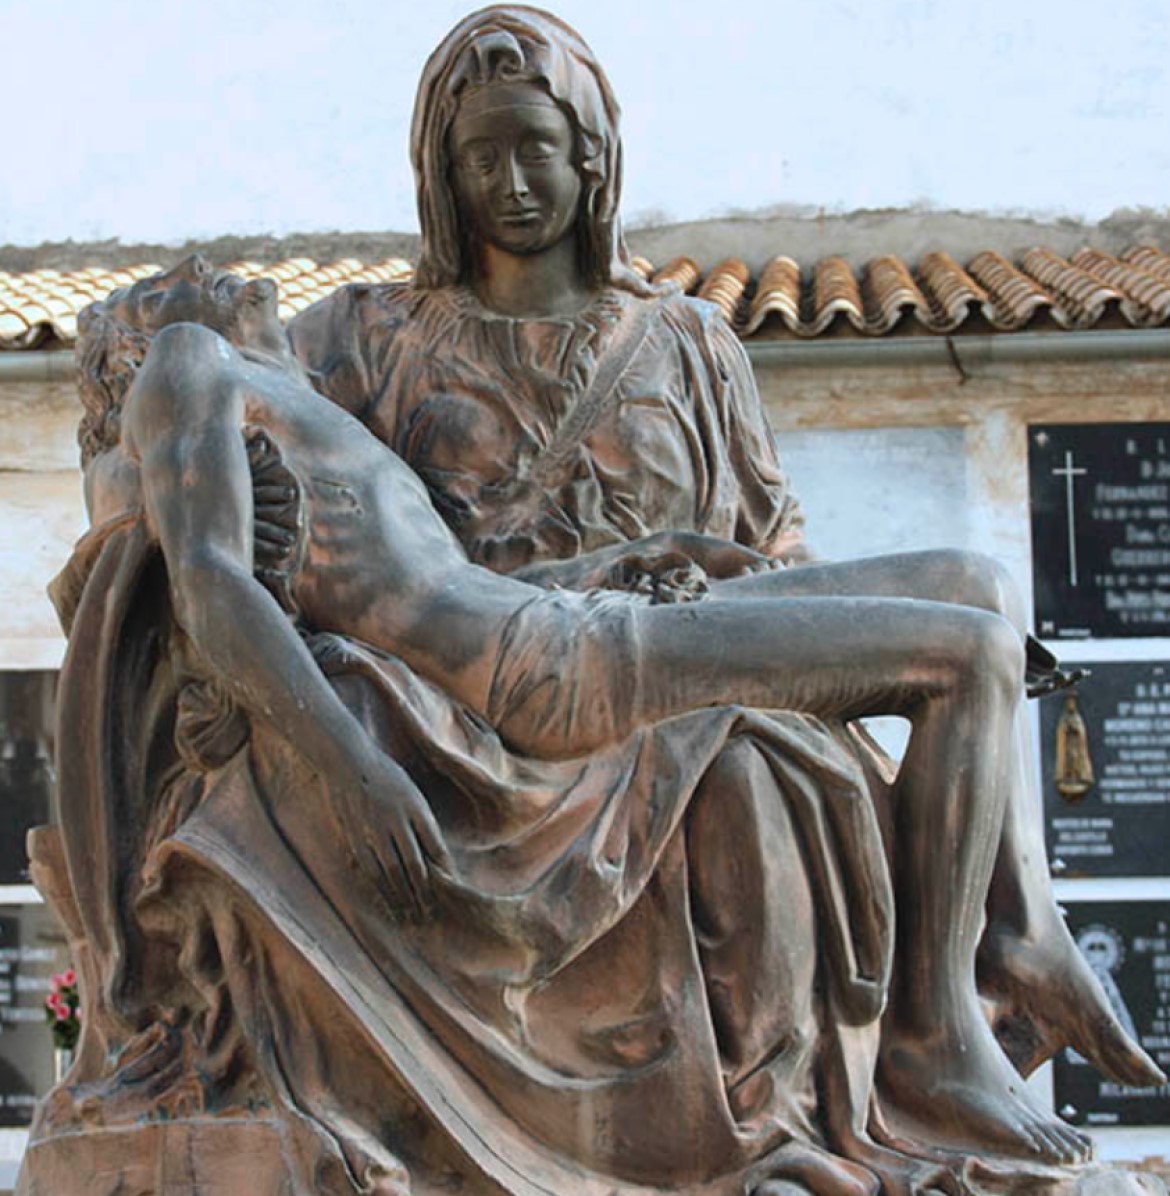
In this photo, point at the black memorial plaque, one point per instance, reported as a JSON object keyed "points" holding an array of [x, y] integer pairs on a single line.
{"points": [[26, 772], [1127, 944], [1100, 500], [1121, 826], [32, 949]]}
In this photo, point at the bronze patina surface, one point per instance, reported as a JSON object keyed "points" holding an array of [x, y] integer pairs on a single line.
{"points": [[460, 781]]}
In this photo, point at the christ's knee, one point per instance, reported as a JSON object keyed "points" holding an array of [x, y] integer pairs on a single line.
{"points": [[188, 373], [973, 579], [184, 355]]}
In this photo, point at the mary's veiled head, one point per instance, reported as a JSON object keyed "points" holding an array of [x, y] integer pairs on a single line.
{"points": [[514, 44]]}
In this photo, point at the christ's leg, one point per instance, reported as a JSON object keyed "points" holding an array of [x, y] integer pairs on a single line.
{"points": [[956, 674], [1046, 994], [1027, 958]]}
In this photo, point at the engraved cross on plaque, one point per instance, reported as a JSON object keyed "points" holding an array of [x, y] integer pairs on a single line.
{"points": [[1070, 473]]}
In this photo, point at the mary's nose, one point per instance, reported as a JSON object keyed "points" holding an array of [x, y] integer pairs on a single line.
{"points": [[515, 180]]}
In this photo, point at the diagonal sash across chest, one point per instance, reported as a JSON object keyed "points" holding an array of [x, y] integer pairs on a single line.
{"points": [[534, 512], [546, 468]]}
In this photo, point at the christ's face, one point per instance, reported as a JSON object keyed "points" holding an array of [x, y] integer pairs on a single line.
{"points": [[515, 179], [244, 312]]}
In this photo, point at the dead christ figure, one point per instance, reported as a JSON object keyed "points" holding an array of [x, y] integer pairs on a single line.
{"points": [[372, 560]]}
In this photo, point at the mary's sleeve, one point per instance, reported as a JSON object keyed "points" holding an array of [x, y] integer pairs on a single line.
{"points": [[769, 517]]}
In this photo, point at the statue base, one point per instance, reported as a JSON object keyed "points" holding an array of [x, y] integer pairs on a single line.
{"points": [[1120, 1180], [198, 1157], [249, 1157]]}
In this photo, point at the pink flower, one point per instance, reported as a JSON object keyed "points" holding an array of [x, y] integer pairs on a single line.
{"points": [[53, 1002], [57, 981], [69, 977], [63, 1012]]}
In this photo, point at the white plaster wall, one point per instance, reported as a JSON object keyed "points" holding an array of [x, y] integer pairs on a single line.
{"points": [[145, 121], [41, 516], [873, 491]]}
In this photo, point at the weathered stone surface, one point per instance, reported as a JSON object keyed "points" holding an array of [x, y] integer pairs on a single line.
{"points": [[1120, 1181], [220, 1156]]}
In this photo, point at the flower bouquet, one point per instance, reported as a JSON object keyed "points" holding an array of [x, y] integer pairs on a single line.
{"points": [[63, 1010]]}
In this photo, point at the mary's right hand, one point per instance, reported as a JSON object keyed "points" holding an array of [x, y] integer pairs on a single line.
{"points": [[720, 559], [676, 566]]}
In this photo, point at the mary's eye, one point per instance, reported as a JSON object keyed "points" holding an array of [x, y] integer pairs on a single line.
{"points": [[478, 158], [538, 149]]}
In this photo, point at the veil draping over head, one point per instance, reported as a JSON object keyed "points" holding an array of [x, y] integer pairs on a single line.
{"points": [[515, 44]]}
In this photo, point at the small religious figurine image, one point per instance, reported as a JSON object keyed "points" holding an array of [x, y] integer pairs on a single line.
{"points": [[1074, 774], [461, 779]]}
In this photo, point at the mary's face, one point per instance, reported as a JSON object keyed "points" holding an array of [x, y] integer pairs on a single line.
{"points": [[515, 179]]}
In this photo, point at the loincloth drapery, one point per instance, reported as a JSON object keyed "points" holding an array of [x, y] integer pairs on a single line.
{"points": [[566, 675]]}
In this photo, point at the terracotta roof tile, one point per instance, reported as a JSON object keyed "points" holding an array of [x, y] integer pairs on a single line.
{"points": [[1013, 299], [951, 293], [36, 306], [890, 292], [831, 298], [1150, 260], [725, 286], [683, 270], [1081, 298], [778, 292], [1146, 299], [835, 292], [941, 297]]}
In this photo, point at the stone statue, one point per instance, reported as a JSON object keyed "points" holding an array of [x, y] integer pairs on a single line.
{"points": [[460, 783]]}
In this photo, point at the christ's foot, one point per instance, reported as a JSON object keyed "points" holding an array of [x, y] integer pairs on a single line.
{"points": [[813, 1169], [905, 1168], [955, 1089], [1047, 998]]}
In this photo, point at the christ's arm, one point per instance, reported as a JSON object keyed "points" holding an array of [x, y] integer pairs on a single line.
{"points": [[183, 420]]}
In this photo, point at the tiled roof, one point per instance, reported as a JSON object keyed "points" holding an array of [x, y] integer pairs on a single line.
{"points": [[938, 296], [1040, 289], [44, 305]]}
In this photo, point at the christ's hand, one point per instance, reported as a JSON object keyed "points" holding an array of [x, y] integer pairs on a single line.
{"points": [[390, 830]]}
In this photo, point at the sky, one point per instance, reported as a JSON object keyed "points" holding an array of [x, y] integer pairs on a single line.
{"points": [[140, 120]]}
